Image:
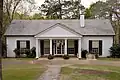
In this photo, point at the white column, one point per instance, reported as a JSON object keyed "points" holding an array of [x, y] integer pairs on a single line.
{"points": [[65, 47], [37, 49], [79, 48], [51, 46]]}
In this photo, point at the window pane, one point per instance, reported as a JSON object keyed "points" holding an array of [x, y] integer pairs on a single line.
{"points": [[95, 44], [22, 44]]}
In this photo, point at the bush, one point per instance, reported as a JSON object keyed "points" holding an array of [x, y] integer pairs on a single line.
{"points": [[17, 52], [50, 56], [115, 51], [65, 56], [84, 52], [32, 53]]}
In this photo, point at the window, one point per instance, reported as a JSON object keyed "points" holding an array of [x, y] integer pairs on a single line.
{"points": [[23, 44], [95, 46]]}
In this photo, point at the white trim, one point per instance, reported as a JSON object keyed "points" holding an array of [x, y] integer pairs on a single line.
{"points": [[37, 54], [39, 48], [43, 38], [51, 46], [65, 47], [79, 48]]}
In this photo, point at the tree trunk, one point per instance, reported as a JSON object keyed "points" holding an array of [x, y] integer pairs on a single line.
{"points": [[1, 18]]}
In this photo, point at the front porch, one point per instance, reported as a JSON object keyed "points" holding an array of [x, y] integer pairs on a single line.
{"points": [[58, 47]]}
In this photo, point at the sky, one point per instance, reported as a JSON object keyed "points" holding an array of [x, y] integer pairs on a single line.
{"points": [[86, 3]]}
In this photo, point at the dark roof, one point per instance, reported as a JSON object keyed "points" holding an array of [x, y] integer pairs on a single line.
{"points": [[32, 27]]}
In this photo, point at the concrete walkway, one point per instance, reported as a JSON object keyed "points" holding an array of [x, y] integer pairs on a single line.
{"points": [[52, 73]]}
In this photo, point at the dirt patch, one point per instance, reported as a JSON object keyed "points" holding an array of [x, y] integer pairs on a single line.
{"points": [[89, 71]]}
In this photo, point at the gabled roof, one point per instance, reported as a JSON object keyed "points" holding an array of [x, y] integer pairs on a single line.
{"points": [[60, 25], [32, 27]]}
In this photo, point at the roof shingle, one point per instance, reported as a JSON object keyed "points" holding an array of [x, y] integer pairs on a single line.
{"points": [[32, 27]]}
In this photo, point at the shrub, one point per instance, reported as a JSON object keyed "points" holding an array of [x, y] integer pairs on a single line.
{"points": [[65, 56], [115, 51], [32, 53], [84, 52], [17, 52], [50, 56]]}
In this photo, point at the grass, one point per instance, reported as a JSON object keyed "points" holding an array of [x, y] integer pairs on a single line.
{"points": [[109, 59], [73, 73], [22, 71]]}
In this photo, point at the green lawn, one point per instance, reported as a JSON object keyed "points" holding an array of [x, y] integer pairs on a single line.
{"points": [[74, 72], [21, 71]]}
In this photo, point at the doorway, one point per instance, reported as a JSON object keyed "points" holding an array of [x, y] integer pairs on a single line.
{"points": [[58, 47]]}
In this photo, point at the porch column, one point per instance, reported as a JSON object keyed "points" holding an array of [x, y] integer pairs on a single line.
{"points": [[51, 46], [79, 48], [37, 49], [65, 47]]}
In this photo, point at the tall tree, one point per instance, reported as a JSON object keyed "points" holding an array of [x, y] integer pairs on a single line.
{"points": [[1, 19], [108, 10], [61, 9]]}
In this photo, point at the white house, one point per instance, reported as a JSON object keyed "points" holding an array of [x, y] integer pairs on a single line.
{"points": [[59, 37]]}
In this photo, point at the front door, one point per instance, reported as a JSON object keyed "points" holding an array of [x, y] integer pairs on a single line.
{"points": [[58, 47]]}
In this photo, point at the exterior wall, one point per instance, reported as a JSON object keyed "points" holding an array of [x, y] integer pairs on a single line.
{"points": [[11, 44], [107, 42]]}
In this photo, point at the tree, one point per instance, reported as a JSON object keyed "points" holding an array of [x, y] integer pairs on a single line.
{"points": [[1, 18], [12, 9], [37, 16], [108, 10], [65, 9], [88, 14]]}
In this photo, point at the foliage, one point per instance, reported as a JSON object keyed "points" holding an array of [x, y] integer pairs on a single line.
{"points": [[66, 57], [17, 52], [29, 53], [115, 51], [50, 57], [32, 53], [67, 9], [84, 52], [88, 13], [37, 16], [108, 10]]}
